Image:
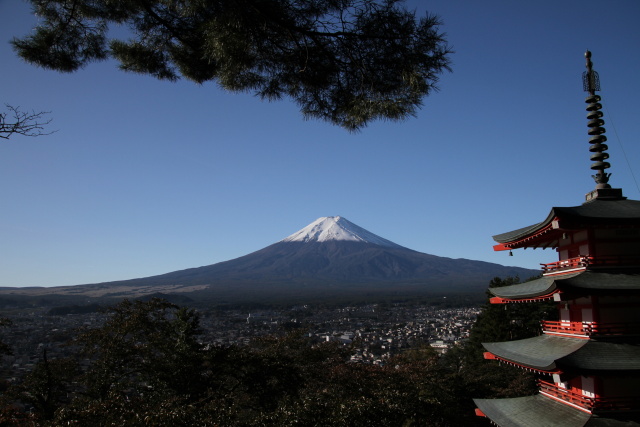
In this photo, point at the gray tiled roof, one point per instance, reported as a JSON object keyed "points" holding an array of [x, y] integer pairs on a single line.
{"points": [[531, 411], [541, 411], [626, 211], [522, 232], [531, 289], [605, 355], [548, 352], [612, 280], [539, 352], [595, 280]]}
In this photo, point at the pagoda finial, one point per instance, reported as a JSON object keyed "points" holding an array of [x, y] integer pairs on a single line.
{"points": [[591, 84]]}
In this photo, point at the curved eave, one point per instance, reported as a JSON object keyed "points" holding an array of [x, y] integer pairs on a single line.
{"points": [[551, 353], [528, 290], [598, 212], [571, 282], [531, 411], [539, 410], [545, 297], [539, 353], [542, 235]]}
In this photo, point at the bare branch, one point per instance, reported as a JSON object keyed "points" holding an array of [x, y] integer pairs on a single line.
{"points": [[24, 123]]}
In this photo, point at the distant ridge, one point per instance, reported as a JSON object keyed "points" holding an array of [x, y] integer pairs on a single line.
{"points": [[330, 256]]}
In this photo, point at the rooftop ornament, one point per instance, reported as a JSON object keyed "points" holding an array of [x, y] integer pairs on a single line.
{"points": [[591, 84]]}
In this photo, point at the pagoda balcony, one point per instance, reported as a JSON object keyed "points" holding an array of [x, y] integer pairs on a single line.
{"points": [[566, 265], [579, 263], [591, 404], [587, 329], [566, 395]]}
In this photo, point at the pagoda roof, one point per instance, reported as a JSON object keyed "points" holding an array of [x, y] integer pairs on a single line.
{"points": [[532, 289], [550, 353], [594, 212], [540, 352], [580, 281], [539, 410]]}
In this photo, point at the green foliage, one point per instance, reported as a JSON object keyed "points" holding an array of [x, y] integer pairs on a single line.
{"points": [[145, 366], [143, 346], [320, 389], [347, 62], [46, 387]]}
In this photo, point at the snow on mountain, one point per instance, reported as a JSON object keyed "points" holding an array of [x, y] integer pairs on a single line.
{"points": [[337, 228]]}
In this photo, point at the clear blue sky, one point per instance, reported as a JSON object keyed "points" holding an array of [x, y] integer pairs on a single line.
{"points": [[145, 177]]}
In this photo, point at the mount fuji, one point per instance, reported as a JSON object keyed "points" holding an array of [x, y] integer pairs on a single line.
{"points": [[330, 257]]}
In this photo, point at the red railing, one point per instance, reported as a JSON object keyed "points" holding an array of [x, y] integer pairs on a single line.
{"points": [[582, 262], [573, 328], [566, 395], [590, 328], [566, 264], [595, 404]]}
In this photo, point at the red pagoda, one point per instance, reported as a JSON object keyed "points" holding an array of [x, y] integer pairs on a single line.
{"points": [[588, 362]]}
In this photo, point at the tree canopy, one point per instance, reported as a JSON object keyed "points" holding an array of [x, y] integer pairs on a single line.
{"points": [[344, 61], [145, 365]]}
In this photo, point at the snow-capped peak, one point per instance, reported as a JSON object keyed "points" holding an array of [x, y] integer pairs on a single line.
{"points": [[330, 228]]}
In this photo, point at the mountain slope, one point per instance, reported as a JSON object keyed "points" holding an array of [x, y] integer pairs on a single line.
{"points": [[334, 250], [328, 258]]}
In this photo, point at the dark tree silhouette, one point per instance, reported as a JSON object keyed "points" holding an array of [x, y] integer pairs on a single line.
{"points": [[347, 62], [4, 348], [26, 123]]}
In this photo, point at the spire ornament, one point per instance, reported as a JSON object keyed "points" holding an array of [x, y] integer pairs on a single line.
{"points": [[591, 84]]}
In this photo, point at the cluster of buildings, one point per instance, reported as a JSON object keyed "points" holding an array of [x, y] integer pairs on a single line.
{"points": [[33, 332], [375, 332]]}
